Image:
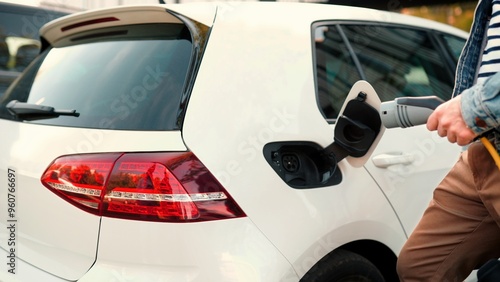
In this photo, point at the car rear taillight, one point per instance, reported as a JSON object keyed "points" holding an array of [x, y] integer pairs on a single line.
{"points": [[170, 187]]}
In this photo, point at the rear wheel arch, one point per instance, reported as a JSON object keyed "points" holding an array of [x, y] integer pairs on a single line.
{"points": [[372, 260], [377, 253]]}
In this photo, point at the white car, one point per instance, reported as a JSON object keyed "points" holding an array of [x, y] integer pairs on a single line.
{"points": [[187, 142]]}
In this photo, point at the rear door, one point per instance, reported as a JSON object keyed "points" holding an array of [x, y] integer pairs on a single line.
{"points": [[398, 61]]}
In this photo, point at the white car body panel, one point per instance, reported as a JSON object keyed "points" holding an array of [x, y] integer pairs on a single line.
{"points": [[69, 253], [409, 186], [239, 154], [286, 230], [226, 250]]}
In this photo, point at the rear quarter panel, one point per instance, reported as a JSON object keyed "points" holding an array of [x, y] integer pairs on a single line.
{"points": [[256, 85]]}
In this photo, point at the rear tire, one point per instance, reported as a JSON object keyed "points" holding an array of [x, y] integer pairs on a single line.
{"points": [[343, 266]]}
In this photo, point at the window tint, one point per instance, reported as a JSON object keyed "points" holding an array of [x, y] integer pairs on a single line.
{"points": [[335, 70], [397, 61], [131, 78], [455, 45]]}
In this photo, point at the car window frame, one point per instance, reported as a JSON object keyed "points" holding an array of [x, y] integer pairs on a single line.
{"points": [[436, 37]]}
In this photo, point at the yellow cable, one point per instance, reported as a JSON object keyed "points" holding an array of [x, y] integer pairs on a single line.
{"points": [[493, 152]]}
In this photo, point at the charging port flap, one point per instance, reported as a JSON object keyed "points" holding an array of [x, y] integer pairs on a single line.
{"points": [[359, 128]]}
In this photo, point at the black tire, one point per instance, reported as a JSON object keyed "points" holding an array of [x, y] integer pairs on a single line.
{"points": [[343, 266]]}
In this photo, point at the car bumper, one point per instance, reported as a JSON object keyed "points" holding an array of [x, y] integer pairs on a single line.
{"points": [[224, 250]]}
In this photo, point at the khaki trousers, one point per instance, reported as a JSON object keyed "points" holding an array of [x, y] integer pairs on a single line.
{"points": [[460, 230]]}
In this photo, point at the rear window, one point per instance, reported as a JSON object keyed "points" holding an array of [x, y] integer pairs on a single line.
{"points": [[127, 78]]}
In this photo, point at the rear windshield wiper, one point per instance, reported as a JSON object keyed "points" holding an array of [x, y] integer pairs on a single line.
{"points": [[28, 111]]}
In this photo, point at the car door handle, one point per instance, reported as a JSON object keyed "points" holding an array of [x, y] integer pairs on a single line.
{"points": [[386, 160]]}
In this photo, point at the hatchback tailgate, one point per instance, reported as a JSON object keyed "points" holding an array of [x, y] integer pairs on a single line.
{"points": [[39, 227]]}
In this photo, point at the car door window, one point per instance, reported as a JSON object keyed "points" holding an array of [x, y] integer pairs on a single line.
{"points": [[335, 70], [455, 45], [396, 61]]}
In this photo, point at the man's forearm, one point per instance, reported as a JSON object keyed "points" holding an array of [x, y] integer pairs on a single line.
{"points": [[481, 105]]}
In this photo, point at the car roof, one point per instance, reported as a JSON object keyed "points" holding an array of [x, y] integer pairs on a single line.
{"points": [[209, 13]]}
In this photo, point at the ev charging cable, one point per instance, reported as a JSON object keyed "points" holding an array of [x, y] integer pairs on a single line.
{"points": [[491, 149]]}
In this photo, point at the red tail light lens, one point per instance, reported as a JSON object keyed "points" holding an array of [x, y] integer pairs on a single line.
{"points": [[170, 187]]}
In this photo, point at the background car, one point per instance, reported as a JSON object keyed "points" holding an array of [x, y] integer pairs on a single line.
{"points": [[19, 38], [185, 143]]}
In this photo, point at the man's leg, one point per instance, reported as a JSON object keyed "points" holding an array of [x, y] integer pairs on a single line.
{"points": [[455, 234]]}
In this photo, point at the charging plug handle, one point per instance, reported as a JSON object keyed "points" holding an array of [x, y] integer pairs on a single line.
{"points": [[408, 111]]}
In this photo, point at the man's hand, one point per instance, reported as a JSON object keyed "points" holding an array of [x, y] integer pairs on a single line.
{"points": [[448, 121]]}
